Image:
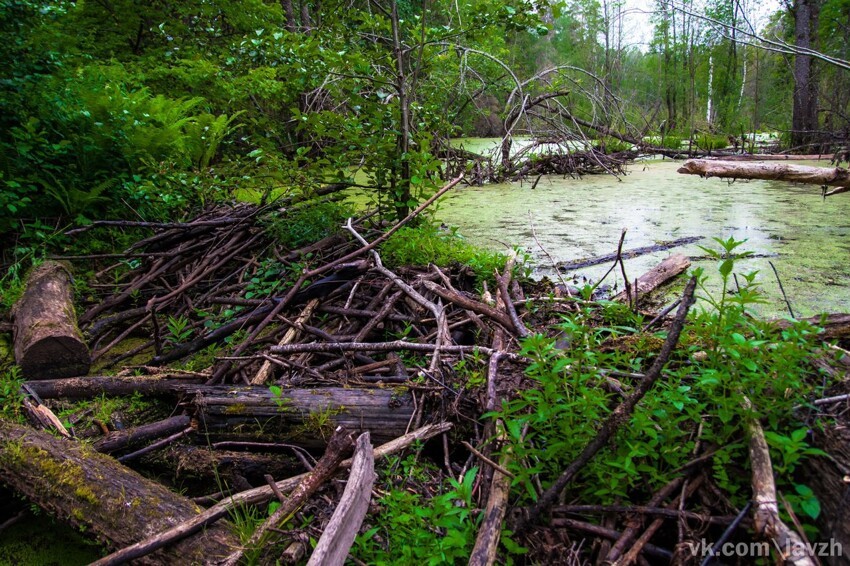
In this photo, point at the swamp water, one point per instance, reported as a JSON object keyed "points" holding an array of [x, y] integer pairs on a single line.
{"points": [[805, 236]]}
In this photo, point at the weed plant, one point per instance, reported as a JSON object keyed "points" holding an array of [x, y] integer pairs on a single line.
{"points": [[724, 355]]}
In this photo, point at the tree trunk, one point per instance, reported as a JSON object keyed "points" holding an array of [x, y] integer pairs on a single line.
{"points": [[804, 117], [98, 495], [831, 176], [48, 342]]}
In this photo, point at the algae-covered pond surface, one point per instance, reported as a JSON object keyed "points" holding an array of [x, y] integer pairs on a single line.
{"points": [[805, 236]]}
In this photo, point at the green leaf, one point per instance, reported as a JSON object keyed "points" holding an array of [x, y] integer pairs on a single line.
{"points": [[726, 267]]}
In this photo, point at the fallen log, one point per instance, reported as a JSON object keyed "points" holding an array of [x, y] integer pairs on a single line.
{"points": [[655, 277], [301, 416], [835, 326], [96, 494], [48, 342], [627, 254], [121, 439], [830, 176], [252, 496], [88, 387]]}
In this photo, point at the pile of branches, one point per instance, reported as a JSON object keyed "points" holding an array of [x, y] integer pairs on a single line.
{"points": [[344, 347]]}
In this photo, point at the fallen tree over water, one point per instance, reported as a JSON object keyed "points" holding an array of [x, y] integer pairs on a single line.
{"points": [[824, 176]]}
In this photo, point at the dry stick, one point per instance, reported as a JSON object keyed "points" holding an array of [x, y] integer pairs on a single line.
{"points": [[266, 369], [379, 318], [498, 467], [484, 552], [618, 256], [632, 300], [644, 510], [766, 519], [340, 532], [339, 444], [437, 309], [629, 533], [252, 496], [546, 252], [520, 328], [609, 534], [618, 416], [334, 347], [469, 304], [632, 555], [781, 288]]}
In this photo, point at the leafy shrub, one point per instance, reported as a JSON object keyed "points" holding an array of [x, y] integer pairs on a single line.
{"points": [[430, 243], [309, 223]]}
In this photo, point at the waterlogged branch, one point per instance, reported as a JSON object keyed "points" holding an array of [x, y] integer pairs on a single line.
{"points": [[617, 417]]}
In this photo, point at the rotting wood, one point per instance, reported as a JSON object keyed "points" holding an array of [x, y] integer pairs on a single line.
{"points": [[340, 532], [824, 176], [668, 269], [484, 553], [302, 415], [252, 496], [48, 342], [95, 493]]}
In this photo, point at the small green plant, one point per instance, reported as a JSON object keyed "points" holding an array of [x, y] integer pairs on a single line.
{"points": [[179, 328], [282, 402], [413, 530], [10, 393]]}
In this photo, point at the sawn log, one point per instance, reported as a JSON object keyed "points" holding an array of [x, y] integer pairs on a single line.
{"points": [[48, 342]]}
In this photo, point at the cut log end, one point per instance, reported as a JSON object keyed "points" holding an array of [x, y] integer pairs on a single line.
{"points": [[55, 357], [48, 343]]}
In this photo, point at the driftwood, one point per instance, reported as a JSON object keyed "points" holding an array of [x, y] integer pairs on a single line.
{"points": [[93, 492], [48, 343], [252, 496], [655, 277], [302, 415], [829, 176], [338, 536]]}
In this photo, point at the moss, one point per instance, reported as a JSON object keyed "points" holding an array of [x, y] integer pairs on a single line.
{"points": [[235, 409], [37, 539]]}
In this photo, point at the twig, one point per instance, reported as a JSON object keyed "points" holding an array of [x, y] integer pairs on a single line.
{"points": [[487, 460], [782, 289]]}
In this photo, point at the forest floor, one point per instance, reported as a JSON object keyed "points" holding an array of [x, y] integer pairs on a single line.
{"points": [[555, 426]]}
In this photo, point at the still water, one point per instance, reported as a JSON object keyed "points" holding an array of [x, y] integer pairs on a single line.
{"points": [[805, 236]]}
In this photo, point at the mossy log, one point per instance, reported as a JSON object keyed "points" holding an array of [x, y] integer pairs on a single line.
{"points": [[98, 495], [48, 342], [303, 416]]}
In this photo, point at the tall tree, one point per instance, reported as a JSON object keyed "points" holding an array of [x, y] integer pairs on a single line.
{"points": [[804, 117]]}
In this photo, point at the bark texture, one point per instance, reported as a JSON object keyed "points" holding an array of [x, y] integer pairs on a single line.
{"points": [[95, 493], [48, 342]]}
